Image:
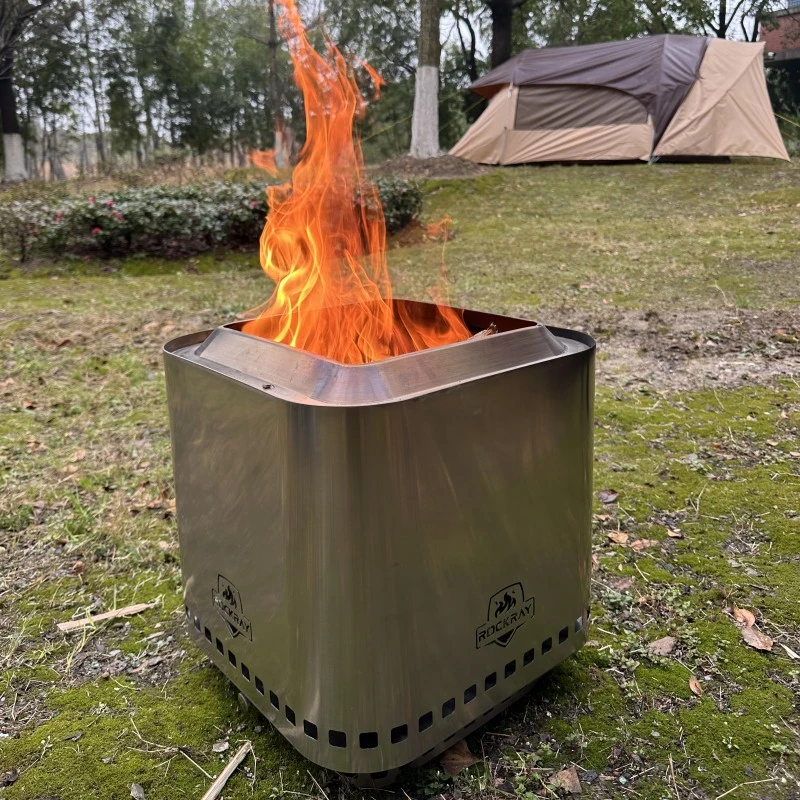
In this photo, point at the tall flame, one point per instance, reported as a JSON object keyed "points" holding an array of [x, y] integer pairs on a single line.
{"points": [[325, 252]]}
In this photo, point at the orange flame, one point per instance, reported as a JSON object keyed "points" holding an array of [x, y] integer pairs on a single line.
{"points": [[325, 252], [264, 159]]}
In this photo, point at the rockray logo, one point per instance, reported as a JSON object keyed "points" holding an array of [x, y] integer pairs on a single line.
{"points": [[508, 610], [228, 603]]}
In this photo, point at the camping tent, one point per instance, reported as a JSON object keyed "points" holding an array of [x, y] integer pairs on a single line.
{"points": [[657, 96]]}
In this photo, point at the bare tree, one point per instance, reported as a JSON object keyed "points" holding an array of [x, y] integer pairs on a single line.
{"points": [[425, 119], [15, 18]]}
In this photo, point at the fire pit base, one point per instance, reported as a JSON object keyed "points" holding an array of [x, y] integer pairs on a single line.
{"points": [[383, 557]]}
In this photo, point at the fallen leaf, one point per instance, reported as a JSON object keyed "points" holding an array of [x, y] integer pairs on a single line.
{"points": [[744, 617], [755, 638], [618, 537], [63, 343], [78, 455], [457, 758], [789, 652], [794, 453], [675, 534], [7, 778], [77, 567], [595, 562], [220, 747], [567, 781], [623, 583], [73, 737], [662, 647], [28, 404], [607, 495], [643, 544], [695, 686], [603, 517], [137, 793]]}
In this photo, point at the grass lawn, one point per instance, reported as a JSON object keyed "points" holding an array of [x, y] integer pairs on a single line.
{"points": [[689, 277]]}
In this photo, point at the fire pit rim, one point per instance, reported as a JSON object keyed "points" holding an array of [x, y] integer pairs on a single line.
{"points": [[308, 378]]}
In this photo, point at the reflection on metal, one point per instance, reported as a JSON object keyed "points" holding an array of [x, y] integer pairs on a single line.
{"points": [[381, 557]]}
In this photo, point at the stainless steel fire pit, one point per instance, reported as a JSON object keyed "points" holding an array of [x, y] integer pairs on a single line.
{"points": [[382, 557]]}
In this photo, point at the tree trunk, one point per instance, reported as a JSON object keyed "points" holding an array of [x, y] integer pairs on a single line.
{"points": [[56, 166], [502, 18], [425, 119], [468, 52], [722, 23], [283, 136], [13, 146]]}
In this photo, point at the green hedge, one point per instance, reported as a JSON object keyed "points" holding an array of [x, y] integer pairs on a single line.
{"points": [[161, 220]]}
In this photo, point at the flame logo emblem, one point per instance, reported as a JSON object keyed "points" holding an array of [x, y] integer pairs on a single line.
{"points": [[509, 609], [228, 602], [506, 604]]}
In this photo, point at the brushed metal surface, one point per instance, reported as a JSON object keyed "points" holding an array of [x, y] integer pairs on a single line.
{"points": [[366, 519]]}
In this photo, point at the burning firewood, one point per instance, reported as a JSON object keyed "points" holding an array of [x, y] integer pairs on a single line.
{"points": [[486, 332]]}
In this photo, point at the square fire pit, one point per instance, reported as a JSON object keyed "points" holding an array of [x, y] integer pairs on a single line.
{"points": [[382, 557]]}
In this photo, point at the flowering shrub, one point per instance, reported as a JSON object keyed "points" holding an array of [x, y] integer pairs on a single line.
{"points": [[161, 220]]}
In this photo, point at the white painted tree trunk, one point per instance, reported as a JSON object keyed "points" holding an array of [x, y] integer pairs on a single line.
{"points": [[425, 120], [14, 154]]}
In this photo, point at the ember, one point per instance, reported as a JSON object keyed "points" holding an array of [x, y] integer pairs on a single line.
{"points": [[327, 254]]}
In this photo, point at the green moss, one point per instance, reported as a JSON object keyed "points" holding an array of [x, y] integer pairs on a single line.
{"points": [[82, 467], [109, 754]]}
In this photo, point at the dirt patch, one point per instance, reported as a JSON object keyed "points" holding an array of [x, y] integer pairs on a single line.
{"points": [[681, 351], [442, 167]]}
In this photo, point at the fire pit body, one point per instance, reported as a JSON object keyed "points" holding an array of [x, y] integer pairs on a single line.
{"points": [[382, 557]]}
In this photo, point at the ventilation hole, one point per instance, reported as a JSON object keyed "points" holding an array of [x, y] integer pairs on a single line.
{"points": [[336, 738], [310, 729], [547, 646], [425, 721], [232, 657], [368, 741], [197, 623], [511, 668], [528, 657], [245, 671], [220, 647], [207, 633], [289, 714], [378, 775], [449, 707], [470, 694], [273, 699], [399, 734], [491, 681], [563, 635], [578, 625], [259, 685]]}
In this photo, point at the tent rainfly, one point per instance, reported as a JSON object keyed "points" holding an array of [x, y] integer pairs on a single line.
{"points": [[670, 96]]}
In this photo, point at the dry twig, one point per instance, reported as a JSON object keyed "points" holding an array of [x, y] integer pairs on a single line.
{"points": [[77, 624], [231, 767]]}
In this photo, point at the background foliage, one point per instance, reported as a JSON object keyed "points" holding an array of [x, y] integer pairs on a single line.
{"points": [[159, 220], [108, 84]]}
